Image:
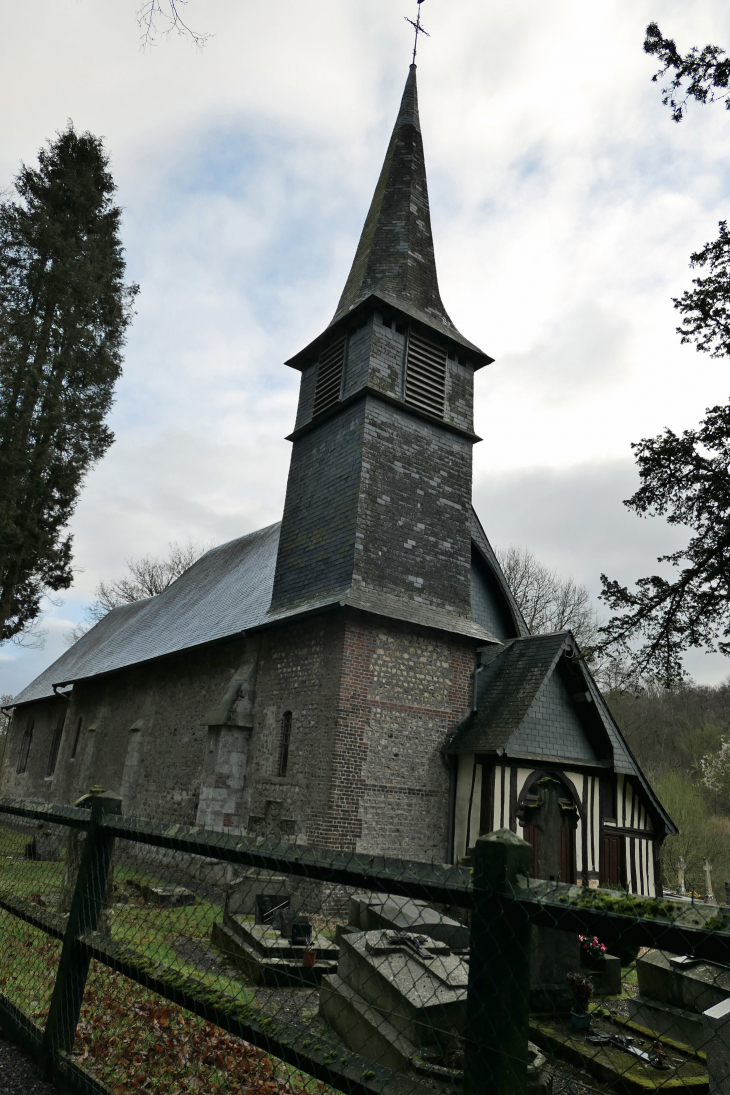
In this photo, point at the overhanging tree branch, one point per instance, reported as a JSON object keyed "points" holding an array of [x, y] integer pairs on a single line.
{"points": [[702, 74]]}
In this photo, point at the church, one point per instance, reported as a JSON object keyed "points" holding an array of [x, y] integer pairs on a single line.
{"points": [[358, 676]]}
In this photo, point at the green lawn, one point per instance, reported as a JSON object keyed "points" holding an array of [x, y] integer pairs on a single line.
{"points": [[128, 1036]]}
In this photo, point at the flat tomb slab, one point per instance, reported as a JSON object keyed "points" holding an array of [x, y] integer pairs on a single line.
{"points": [[261, 969], [613, 1066], [693, 987], [270, 943]]}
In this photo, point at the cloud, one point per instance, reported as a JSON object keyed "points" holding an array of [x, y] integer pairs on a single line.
{"points": [[583, 353], [565, 205]]}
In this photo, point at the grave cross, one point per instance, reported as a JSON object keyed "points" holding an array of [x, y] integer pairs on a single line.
{"points": [[419, 29], [709, 895], [680, 876]]}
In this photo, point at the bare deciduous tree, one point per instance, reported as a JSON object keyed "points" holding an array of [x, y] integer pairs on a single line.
{"points": [[548, 601], [163, 17], [145, 577]]}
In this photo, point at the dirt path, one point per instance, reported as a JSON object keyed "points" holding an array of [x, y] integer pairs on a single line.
{"points": [[18, 1074]]}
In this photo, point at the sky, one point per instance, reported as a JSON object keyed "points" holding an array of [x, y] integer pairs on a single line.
{"points": [[565, 204]]}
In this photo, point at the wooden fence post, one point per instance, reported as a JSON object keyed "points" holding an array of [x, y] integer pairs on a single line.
{"points": [[86, 907], [497, 1012]]}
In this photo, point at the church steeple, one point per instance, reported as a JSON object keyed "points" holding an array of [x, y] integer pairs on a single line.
{"points": [[395, 259], [379, 492]]}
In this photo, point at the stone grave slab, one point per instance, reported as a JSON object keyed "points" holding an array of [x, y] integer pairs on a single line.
{"points": [[716, 1023], [393, 998], [674, 992], [268, 957], [369, 912], [171, 897]]}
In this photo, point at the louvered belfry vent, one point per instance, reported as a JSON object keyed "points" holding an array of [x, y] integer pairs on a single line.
{"points": [[425, 374], [329, 375]]}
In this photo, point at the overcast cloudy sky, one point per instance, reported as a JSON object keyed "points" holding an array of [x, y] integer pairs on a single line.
{"points": [[565, 204]]}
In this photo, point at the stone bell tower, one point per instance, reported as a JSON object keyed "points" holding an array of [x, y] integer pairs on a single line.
{"points": [[377, 503]]}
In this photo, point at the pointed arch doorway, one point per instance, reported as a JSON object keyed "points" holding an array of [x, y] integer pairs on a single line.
{"points": [[549, 812]]}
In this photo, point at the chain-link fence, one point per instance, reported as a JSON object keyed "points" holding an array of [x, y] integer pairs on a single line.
{"points": [[135, 956]]}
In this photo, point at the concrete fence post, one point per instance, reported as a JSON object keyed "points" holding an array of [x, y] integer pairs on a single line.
{"points": [[87, 905], [497, 1020]]}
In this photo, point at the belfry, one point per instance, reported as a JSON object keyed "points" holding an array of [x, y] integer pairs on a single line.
{"points": [[359, 675]]}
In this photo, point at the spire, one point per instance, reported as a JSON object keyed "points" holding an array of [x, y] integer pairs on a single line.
{"points": [[395, 257]]}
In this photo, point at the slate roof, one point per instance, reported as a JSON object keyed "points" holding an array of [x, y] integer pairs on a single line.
{"points": [[395, 259], [226, 592], [479, 537], [513, 679]]}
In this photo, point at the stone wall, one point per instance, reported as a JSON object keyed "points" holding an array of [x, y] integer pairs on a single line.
{"points": [[371, 704], [403, 691], [158, 763]]}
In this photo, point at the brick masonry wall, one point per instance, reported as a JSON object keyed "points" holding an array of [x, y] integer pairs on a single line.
{"points": [[402, 693], [169, 697], [299, 671]]}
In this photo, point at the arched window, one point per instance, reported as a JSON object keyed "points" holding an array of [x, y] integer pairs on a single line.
{"points": [[284, 742], [25, 748], [55, 745], [76, 739]]}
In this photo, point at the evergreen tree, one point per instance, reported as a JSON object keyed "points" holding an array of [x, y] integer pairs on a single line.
{"points": [[685, 477], [64, 309]]}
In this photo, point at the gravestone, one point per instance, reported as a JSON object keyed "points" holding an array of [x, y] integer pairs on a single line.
{"points": [[674, 991], [716, 1028], [272, 825], [396, 996], [44, 846], [370, 911]]}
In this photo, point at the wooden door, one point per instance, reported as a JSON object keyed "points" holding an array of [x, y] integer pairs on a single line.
{"points": [[612, 861], [529, 833], [567, 852]]}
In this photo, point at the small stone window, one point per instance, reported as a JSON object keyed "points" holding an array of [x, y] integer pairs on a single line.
{"points": [[77, 737], [25, 748], [425, 374], [329, 376], [284, 742], [55, 746]]}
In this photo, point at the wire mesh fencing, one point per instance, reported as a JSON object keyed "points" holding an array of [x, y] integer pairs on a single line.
{"points": [[138, 956]]}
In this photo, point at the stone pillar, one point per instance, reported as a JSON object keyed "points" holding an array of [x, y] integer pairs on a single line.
{"points": [[497, 1012], [716, 1026]]}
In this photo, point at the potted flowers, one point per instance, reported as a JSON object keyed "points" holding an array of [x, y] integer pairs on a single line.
{"points": [[581, 989], [592, 952]]}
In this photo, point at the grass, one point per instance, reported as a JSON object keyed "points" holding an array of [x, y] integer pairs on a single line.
{"points": [[128, 1036]]}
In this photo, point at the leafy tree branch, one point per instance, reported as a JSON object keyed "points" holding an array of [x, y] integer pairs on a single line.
{"points": [[686, 479], [702, 74]]}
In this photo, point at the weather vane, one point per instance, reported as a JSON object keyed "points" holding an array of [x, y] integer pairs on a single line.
{"points": [[419, 29]]}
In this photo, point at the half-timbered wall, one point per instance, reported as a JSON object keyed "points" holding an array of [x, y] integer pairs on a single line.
{"points": [[488, 798]]}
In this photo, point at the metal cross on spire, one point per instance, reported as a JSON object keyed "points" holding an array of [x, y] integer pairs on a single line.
{"points": [[419, 29]]}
